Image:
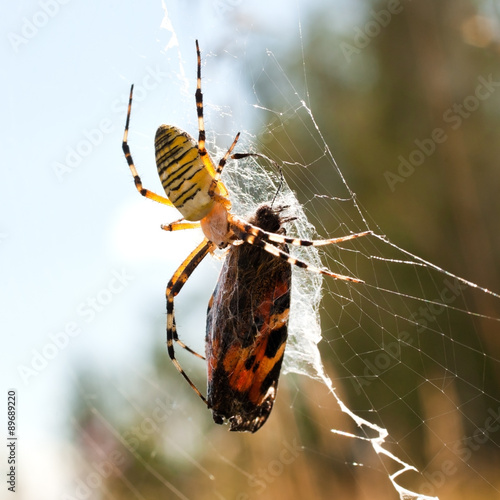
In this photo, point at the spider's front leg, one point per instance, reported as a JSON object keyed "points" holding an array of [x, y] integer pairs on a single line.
{"points": [[254, 235], [216, 182], [180, 225], [128, 156]]}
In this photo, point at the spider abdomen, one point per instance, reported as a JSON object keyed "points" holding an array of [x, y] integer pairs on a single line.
{"points": [[185, 178]]}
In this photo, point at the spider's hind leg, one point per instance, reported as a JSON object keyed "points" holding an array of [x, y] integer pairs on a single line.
{"points": [[173, 288]]}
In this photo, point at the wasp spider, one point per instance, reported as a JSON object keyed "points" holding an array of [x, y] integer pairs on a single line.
{"points": [[192, 184]]}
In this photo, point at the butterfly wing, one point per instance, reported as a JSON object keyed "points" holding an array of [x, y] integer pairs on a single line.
{"points": [[247, 327]]}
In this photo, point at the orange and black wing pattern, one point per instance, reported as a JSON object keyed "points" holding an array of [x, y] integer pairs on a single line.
{"points": [[247, 328]]}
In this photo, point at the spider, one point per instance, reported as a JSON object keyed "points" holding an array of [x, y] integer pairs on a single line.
{"points": [[243, 352]]}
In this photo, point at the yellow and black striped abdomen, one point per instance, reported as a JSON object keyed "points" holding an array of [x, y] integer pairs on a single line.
{"points": [[185, 178]]}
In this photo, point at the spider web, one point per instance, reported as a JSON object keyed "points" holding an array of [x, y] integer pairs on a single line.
{"points": [[401, 322], [384, 366]]}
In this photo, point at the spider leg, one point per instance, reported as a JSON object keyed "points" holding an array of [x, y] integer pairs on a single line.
{"points": [[253, 235], [179, 225], [126, 149], [260, 234], [199, 106], [220, 166], [215, 185], [222, 162], [252, 240], [240, 156], [173, 288]]}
